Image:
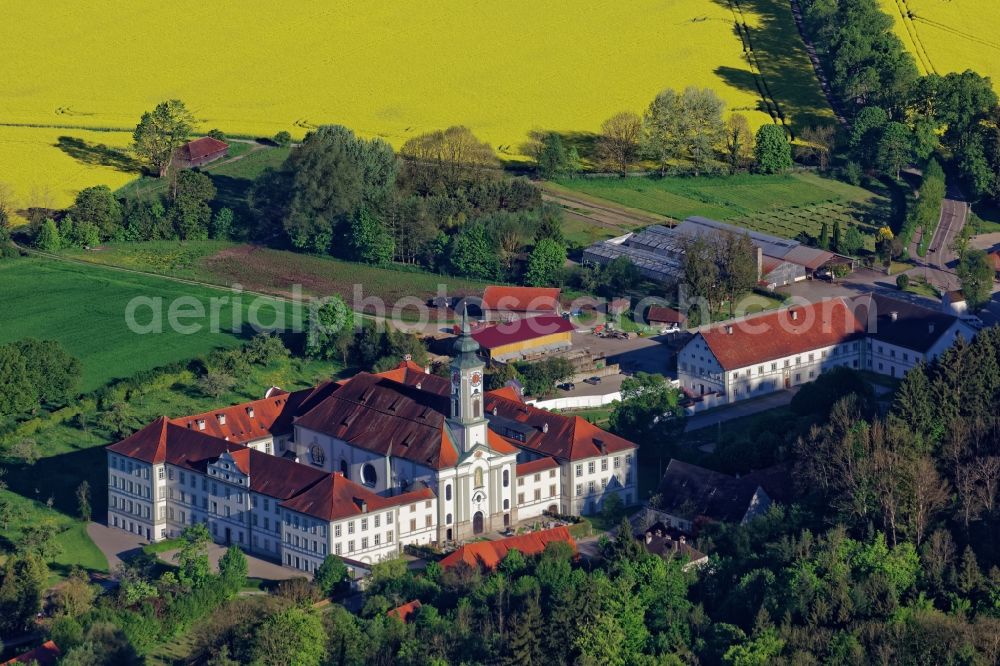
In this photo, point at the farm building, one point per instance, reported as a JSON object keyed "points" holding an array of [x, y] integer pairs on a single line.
{"points": [[200, 152], [617, 306], [524, 337], [658, 252], [46, 654], [501, 303], [658, 315]]}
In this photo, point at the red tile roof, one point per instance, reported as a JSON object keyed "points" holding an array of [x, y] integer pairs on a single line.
{"points": [[539, 465], [521, 299], [521, 330], [665, 315], [148, 444], [389, 418], [490, 553], [406, 611], [249, 421], [550, 434], [46, 654], [783, 333], [336, 497], [994, 259], [203, 147]]}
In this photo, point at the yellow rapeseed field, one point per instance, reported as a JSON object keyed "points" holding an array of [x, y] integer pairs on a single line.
{"points": [[386, 68], [950, 35]]}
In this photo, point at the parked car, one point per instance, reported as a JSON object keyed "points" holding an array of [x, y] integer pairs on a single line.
{"points": [[594, 381], [567, 386], [670, 328], [824, 274]]}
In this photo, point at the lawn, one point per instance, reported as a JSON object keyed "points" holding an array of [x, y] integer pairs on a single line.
{"points": [[783, 205], [950, 36], [276, 271], [84, 308], [385, 69]]}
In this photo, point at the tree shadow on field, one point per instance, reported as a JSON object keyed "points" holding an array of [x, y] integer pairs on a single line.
{"points": [[57, 477], [786, 72], [98, 154]]}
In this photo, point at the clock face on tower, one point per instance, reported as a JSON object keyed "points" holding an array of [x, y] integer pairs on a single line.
{"points": [[477, 378]]}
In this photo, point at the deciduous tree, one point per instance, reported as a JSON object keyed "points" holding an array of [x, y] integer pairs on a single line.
{"points": [[772, 151], [618, 141], [160, 132]]}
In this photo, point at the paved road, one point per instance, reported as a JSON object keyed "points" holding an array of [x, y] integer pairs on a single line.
{"points": [[118, 545], [740, 409]]}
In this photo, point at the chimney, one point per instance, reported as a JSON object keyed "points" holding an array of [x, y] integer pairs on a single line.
{"points": [[794, 314], [407, 357], [930, 327], [419, 385], [545, 427], [893, 315], [729, 329], [683, 539], [364, 506]]}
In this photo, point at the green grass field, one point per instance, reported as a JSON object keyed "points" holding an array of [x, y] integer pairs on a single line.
{"points": [[84, 307], [275, 271]]}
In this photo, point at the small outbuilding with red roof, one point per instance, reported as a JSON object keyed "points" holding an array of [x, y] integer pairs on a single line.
{"points": [[200, 152]]}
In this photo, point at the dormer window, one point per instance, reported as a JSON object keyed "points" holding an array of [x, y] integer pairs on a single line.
{"points": [[221, 418], [201, 424], [250, 412]]}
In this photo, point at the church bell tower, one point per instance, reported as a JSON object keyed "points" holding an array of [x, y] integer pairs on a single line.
{"points": [[467, 381]]}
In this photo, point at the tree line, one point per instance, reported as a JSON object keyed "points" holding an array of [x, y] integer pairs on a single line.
{"points": [[679, 129], [898, 116]]}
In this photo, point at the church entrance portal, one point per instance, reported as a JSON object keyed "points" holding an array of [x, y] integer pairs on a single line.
{"points": [[477, 523]]}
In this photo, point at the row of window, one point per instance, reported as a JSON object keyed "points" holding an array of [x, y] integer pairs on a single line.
{"points": [[592, 485], [128, 506], [376, 523], [592, 466], [126, 465], [552, 475], [538, 494], [129, 487], [376, 541]]}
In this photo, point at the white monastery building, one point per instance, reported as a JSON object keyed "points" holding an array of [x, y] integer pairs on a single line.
{"points": [[779, 350], [362, 467]]}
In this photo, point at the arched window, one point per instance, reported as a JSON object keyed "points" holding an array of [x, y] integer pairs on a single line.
{"points": [[478, 478], [506, 478], [369, 476], [506, 504], [477, 410], [447, 519], [316, 454], [447, 492]]}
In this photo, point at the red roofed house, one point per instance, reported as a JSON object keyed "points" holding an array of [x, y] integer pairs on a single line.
{"points": [[488, 554], [777, 350], [503, 303], [200, 152], [520, 337], [362, 467], [46, 654], [406, 612]]}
